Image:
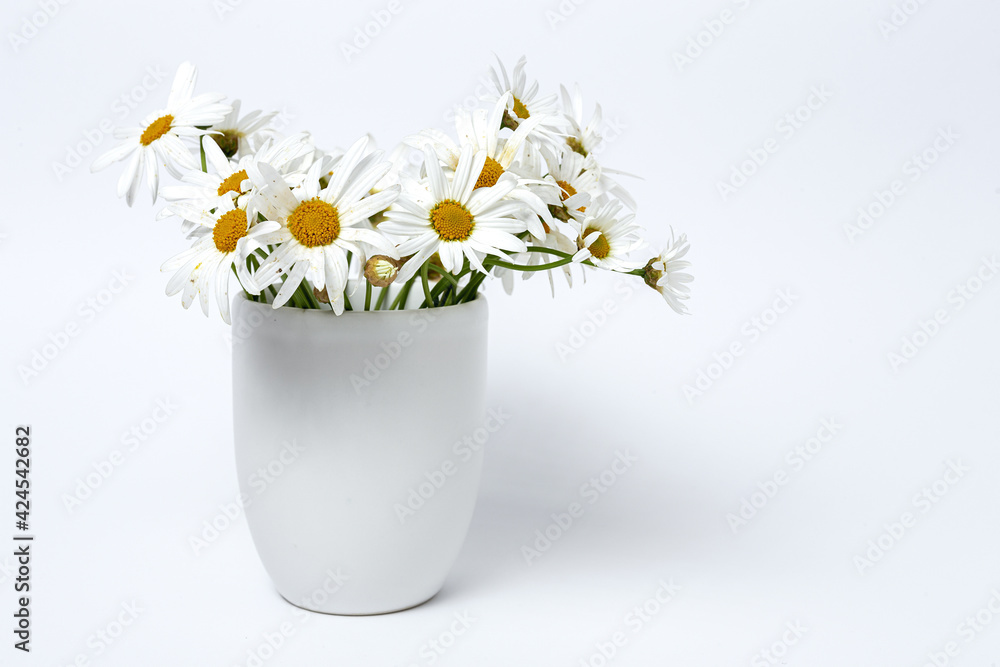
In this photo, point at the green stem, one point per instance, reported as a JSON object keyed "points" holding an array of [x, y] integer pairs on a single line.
{"points": [[249, 296], [566, 255], [525, 267], [400, 300], [428, 298], [550, 251], [307, 295], [469, 293], [441, 291], [444, 274], [381, 297], [368, 295]]}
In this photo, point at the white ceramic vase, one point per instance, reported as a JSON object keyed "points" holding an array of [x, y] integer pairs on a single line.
{"points": [[351, 437]]}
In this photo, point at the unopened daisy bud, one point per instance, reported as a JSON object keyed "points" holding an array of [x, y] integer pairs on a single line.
{"points": [[381, 270], [321, 295]]}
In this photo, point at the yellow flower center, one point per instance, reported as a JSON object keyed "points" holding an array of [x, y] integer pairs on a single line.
{"points": [[314, 223], [576, 146], [230, 228], [491, 173], [567, 190], [452, 221], [599, 247], [520, 110], [156, 129], [232, 183]]}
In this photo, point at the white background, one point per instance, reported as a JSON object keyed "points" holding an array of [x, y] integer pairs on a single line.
{"points": [[683, 128]]}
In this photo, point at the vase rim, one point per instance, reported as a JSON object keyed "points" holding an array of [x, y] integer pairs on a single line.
{"points": [[245, 301]]}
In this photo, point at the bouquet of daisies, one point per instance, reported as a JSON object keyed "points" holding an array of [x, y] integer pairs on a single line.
{"points": [[519, 191]]}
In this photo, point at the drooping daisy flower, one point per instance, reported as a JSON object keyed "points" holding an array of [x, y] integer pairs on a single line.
{"points": [[320, 226], [584, 139], [577, 178], [237, 136], [158, 141], [457, 219], [205, 266], [665, 274], [480, 130], [524, 101], [607, 237]]}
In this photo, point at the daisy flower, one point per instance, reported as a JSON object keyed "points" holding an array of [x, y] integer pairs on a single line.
{"points": [[457, 219], [584, 139], [664, 273], [205, 266], [480, 130], [606, 237], [228, 177], [577, 178], [158, 141], [237, 136], [524, 101], [320, 226]]}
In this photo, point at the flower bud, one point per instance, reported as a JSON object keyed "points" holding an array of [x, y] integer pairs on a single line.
{"points": [[381, 270]]}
